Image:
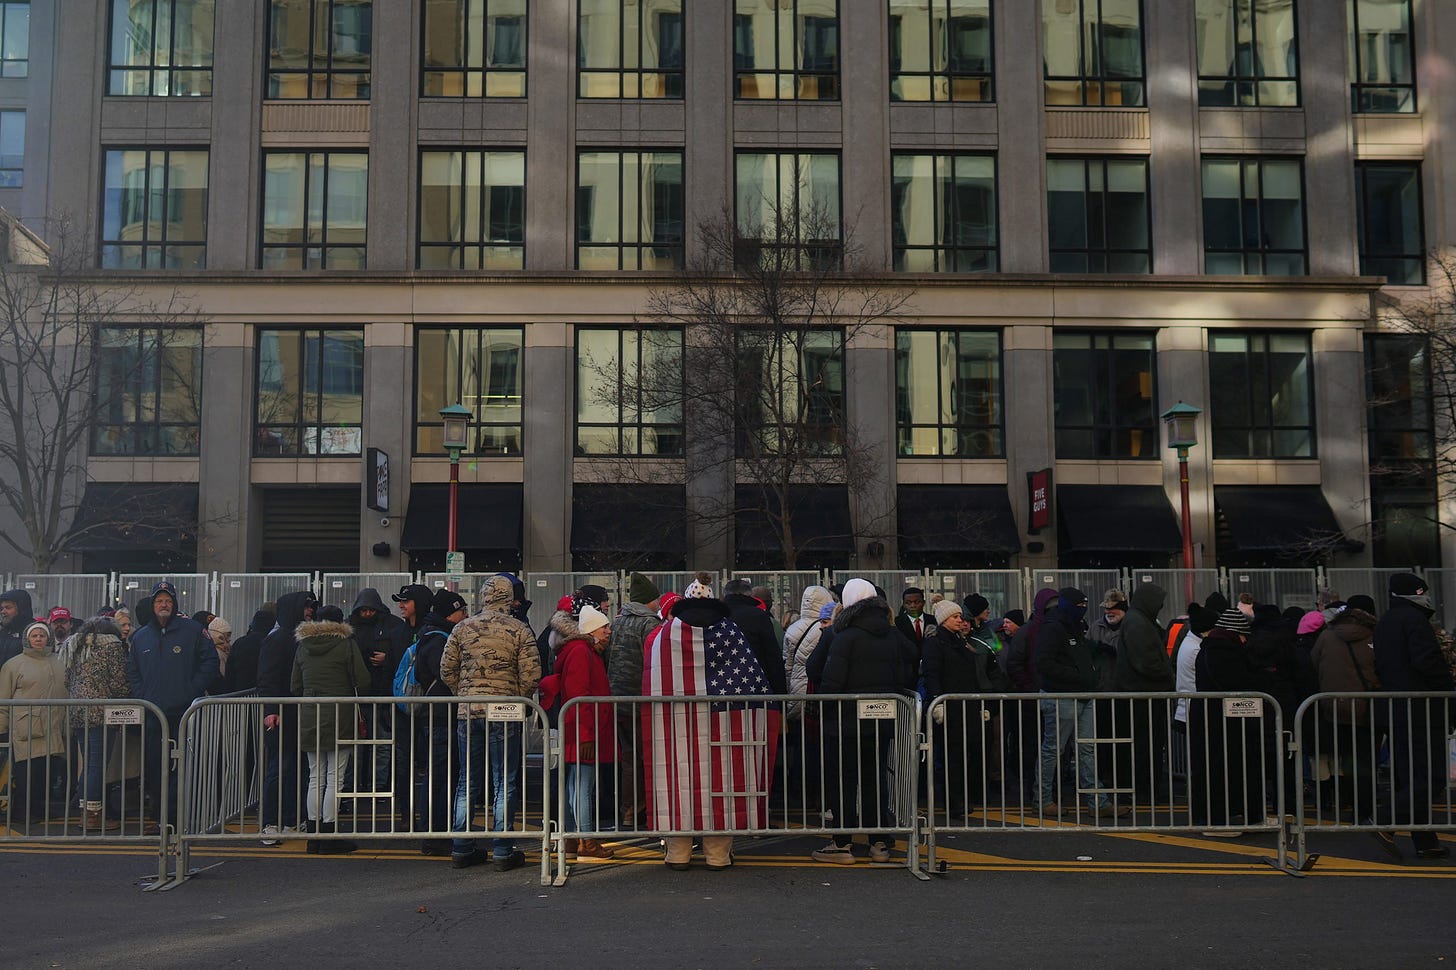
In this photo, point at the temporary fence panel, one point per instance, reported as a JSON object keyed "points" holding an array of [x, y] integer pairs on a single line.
{"points": [[469, 585], [194, 590], [674, 581], [1005, 589], [1182, 586], [725, 766], [787, 586], [1281, 587], [1092, 582], [1443, 594], [339, 589], [95, 771], [240, 595], [311, 764], [545, 589], [892, 581], [81, 593], [999, 764], [1374, 583]]}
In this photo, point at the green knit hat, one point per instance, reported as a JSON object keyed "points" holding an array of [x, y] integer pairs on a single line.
{"points": [[642, 589]]}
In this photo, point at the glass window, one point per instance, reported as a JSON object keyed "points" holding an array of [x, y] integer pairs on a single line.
{"points": [[791, 392], [474, 49], [1248, 53], [948, 393], [629, 49], [629, 210], [161, 48], [1382, 56], [1262, 401], [1105, 395], [12, 149], [310, 393], [1253, 217], [315, 209], [1404, 510], [940, 50], [1092, 52], [786, 49], [320, 48], [944, 213], [472, 210], [1392, 237], [629, 391], [786, 209], [14, 39], [154, 209], [1097, 215], [148, 391], [479, 367]]}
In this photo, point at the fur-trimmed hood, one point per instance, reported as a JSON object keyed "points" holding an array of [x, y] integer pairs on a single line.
{"points": [[322, 629], [565, 625], [872, 614]]}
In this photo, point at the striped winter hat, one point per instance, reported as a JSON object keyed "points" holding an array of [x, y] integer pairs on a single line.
{"points": [[1234, 621]]}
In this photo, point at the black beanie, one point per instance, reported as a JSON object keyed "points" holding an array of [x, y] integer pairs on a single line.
{"points": [[975, 605], [1407, 584], [1362, 602], [1201, 619], [1016, 616]]}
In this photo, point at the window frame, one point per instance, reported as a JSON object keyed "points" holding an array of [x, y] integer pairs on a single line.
{"points": [[1265, 393], [798, 339], [678, 249], [1262, 252], [622, 425], [158, 76], [985, 80], [1104, 384], [944, 254], [802, 252], [475, 426], [483, 215], [5, 62], [1101, 80], [792, 79], [998, 429], [312, 74], [300, 425], [1359, 87], [1105, 251], [152, 430], [485, 73], [1400, 483], [1254, 80], [18, 171], [1362, 219], [323, 245], [665, 77], [165, 244]]}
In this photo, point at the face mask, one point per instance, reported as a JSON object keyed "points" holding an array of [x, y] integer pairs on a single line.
{"points": [[1423, 601]]}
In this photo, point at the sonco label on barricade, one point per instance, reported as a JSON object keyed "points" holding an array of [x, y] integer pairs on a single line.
{"points": [[123, 715], [505, 711], [1243, 707], [876, 710]]}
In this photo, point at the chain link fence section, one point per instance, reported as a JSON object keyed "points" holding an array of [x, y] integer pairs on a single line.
{"points": [[81, 593], [240, 595], [194, 590]]}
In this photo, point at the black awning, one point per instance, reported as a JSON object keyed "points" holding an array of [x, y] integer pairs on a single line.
{"points": [[956, 518], [1292, 519], [120, 517], [819, 516], [1117, 518], [489, 518], [629, 525]]}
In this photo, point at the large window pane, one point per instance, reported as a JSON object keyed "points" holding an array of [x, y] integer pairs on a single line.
{"points": [[472, 210], [630, 49], [1097, 215], [161, 48], [14, 39], [1262, 395], [1381, 56], [1248, 53], [943, 210], [788, 204], [148, 391], [315, 209], [791, 384], [154, 208], [948, 393], [479, 367], [940, 50], [320, 48], [12, 148], [1105, 392], [786, 49], [629, 210], [310, 393], [474, 49], [1403, 479], [1392, 235], [629, 387], [1092, 52], [1253, 217]]}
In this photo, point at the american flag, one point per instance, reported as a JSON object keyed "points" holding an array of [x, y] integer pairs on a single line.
{"points": [[709, 764]]}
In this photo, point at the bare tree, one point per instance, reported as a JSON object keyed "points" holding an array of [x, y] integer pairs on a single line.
{"points": [[52, 314], [759, 384]]}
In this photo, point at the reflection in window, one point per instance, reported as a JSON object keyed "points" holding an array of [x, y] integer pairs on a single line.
{"points": [[154, 209], [14, 39], [472, 210], [161, 48], [319, 48], [791, 387], [1097, 215], [315, 209], [474, 49], [479, 367], [940, 50], [786, 209], [12, 149], [148, 391], [310, 400], [1092, 52], [944, 212], [1262, 403], [629, 49], [948, 393], [1404, 510], [629, 210], [1248, 53], [1392, 240], [1381, 56], [1105, 402], [786, 49], [629, 391], [1253, 217]]}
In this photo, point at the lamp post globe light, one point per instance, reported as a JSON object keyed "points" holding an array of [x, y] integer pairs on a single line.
{"points": [[456, 437], [1181, 420]]}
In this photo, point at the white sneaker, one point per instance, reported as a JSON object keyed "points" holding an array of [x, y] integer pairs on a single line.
{"points": [[835, 853], [270, 835], [879, 852]]}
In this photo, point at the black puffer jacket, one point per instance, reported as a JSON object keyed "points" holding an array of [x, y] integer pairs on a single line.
{"points": [[429, 648], [242, 665], [382, 633], [868, 655], [1142, 660], [955, 664], [1068, 662], [756, 625], [275, 660]]}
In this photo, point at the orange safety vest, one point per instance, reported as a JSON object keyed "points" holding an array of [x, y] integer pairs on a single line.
{"points": [[1175, 629]]}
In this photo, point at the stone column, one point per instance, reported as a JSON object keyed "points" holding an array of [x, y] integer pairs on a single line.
{"points": [[1030, 442]]}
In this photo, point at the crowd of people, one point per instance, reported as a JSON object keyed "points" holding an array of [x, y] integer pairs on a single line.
{"points": [[651, 765]]}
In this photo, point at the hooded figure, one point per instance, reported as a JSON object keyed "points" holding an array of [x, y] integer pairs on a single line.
{"points": [[1142, 663], [520, 606], [1226, 755], [802, 637], [242, 668], [1021, 655], [382, 638], [327, 664], [16, 613], [275, 677], [38, 735]]}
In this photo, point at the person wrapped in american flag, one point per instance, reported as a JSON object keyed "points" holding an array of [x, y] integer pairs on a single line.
{"points": [[708, 764]]}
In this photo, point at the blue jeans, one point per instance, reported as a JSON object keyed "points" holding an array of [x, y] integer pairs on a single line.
{"points": [[500, 745], [579, 811], [100, 740], [1057, 720]]}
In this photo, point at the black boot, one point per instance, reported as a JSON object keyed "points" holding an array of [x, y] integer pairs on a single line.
{"points": [[331, 846]]}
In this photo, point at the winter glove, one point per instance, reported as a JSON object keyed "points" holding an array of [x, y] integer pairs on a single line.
{"points": [[937, 714], [586, 751]]}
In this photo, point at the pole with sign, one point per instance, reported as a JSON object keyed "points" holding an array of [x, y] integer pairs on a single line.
{"points": [[456, 437]]}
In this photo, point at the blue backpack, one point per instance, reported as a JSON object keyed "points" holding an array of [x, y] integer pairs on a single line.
{"points": [[406, 686]]}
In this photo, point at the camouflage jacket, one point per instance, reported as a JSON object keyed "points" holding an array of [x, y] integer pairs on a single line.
{"points": [[491, 654]]}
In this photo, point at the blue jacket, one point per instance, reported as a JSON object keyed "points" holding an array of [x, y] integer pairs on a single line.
{"points": [[171, 667]]}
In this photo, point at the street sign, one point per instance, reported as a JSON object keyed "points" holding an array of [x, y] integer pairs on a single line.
{"points": [[454, 562]]}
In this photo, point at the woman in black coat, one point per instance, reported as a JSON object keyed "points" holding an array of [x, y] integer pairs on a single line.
{"points": [[956, 661], [1227, 760]]}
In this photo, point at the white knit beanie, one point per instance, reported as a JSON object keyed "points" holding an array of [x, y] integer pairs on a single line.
{"points": [[944, 610], [856, 591], [591, 619]]}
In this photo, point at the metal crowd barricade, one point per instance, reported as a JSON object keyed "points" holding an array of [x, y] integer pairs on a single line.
{"points": [[1282, 587], [240, 595], [112, 769], [705, 766], [306, 789], [1118, 777], [1376, 762], [82, 593], [339, 589], [194, 590]]}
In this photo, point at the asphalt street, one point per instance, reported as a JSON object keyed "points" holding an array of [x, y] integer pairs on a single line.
{"points": [[1073, 899]]}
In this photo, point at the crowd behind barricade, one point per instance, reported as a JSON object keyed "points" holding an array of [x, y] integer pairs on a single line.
{"points": [[631, 767]]}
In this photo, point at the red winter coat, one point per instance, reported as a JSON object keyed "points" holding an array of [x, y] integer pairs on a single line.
{"points": [[583, 673]]}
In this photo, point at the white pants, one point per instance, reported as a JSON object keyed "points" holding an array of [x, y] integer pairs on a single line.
{"points": [[327, 769]]}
